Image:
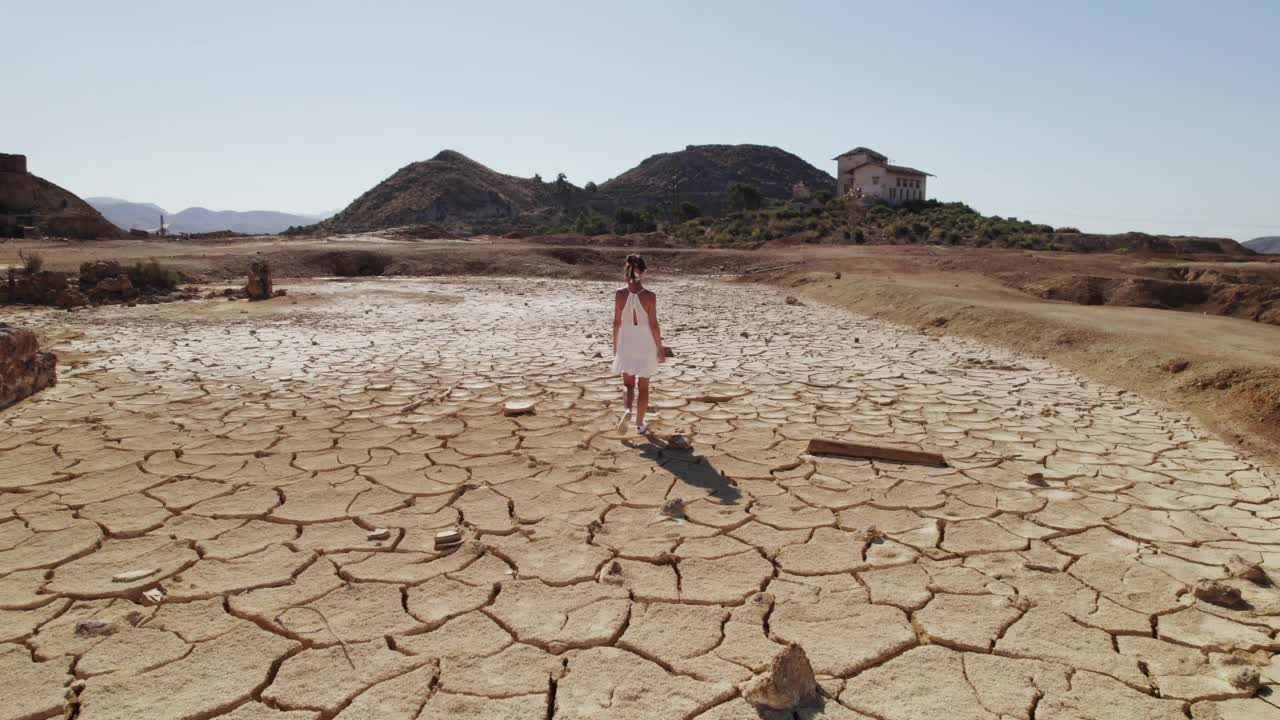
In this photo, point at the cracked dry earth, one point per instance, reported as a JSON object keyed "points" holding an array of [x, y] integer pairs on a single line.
{"points": [[244, 462]]}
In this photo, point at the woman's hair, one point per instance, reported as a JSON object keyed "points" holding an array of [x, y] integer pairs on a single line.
{"points": [[635, 266]]}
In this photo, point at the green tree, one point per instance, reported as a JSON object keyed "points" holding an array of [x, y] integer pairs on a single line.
{"points": [[590, 186], [689, 211], [626, 220], [743, 196], [591, 224]]}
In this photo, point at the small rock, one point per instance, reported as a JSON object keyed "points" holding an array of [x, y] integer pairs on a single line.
{"points": [[787, 683], [792, 300], [1037, 479], [379, 534], [94, 628], [668, 352], [679, 442], [518, 407], [1212, 591], [1177, 365], [745, 334], [132, 575], [154, 596], [673, 508], [1238, 567], [446, 539]]}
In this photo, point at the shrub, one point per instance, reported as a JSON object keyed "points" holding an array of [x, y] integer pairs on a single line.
{"points": [[151, 275], [32, 262], [626, 220], [591, 224], [743, 196], [1068, 231], [689, 211], [823, 196], [590, 186]]}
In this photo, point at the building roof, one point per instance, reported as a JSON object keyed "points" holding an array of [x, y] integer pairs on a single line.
{"points": [[907, 170], [866, 151], [902, 169]]}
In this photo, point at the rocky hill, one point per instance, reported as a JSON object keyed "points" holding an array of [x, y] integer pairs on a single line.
{"points": [[30, 201], [453, 188], [1266, 245], [701, 173]]}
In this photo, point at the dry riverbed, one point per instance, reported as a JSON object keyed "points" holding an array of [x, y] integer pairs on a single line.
{"points": [[228, 509]]}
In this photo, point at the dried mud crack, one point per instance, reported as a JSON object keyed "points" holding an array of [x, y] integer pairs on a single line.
{"points": [[225, 514]]}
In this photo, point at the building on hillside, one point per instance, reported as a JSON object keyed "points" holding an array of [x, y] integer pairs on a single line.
{"points": [[867, 174]]}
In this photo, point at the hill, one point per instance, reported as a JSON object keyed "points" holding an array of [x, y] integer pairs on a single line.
{"points": [[30, 201], [1265, 245], [129, 215], [146, 216], [250, 222], [701, 173], [453, 188]]}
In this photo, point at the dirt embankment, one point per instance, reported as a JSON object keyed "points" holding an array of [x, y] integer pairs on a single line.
{"points": [[1226, 371]]}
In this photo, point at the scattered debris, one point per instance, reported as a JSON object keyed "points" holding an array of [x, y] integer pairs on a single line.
{"points": [[94, 628], [448, 539], [1217, 593], [871, 534], [131, 575], [788, 682], [673, 508], [611, 573], [379, 534], [519, 407], [1238, 567], [823, 446]]}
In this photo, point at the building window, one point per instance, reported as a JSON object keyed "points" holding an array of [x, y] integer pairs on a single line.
{"points": [[875, 179]]}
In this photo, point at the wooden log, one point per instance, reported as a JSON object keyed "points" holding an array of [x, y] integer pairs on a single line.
{"points": [[824, 446]]}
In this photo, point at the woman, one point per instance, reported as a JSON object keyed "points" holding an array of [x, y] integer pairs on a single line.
{"points": [[637, 340]]}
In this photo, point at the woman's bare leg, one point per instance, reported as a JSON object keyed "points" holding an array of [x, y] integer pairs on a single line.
{"points": [[630, 382], [643, 402]]}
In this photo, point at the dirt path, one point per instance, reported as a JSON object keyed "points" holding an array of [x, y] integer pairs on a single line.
{"points": [[280, 471]]}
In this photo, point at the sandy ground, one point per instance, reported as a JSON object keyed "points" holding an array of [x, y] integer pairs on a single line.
{"points": [[279, 470]]}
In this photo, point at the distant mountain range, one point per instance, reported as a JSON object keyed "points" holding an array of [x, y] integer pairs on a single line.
{"points": [[453, 188], [1266, 245], [146, 216]]}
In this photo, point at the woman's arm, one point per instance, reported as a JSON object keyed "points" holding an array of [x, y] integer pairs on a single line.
{"points": [[617, 318], [655, 328]]}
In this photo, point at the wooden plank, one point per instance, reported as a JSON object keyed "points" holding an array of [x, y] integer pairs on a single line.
{"points": [[824, 446]]}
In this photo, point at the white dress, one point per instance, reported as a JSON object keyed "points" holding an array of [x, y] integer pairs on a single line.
{"points": [[637, 352]]}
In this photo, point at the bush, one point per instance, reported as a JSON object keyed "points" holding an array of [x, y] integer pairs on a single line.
{"points": [[689, 211], [743, 196], [590, 186], [626, 220], [591, 224], [1068, 231], [153, 276], [823, 196], [32, 262]]}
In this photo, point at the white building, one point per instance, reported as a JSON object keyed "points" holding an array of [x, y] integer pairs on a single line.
{"points": [[865, 172]]}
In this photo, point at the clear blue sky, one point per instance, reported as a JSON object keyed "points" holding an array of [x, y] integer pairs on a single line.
{"points": [[1162, 116]]}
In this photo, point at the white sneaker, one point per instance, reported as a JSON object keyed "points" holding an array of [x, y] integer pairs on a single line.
{"points": [[622, 422], [643, 428]]}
